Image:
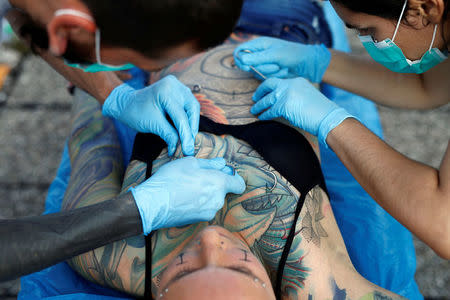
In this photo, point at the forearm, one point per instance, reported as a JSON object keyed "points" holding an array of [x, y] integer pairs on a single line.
{"points": [[369, 79], [417, 195], [34, 243], [99, 85]]}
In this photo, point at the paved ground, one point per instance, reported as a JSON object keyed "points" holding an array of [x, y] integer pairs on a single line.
{"points": [[34, 124]]}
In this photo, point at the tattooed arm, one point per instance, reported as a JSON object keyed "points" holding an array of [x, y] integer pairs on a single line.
{"points": [[34, 243], [30, 244], [96, 177]]}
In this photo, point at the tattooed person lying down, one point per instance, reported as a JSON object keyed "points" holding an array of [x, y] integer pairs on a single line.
{"points": [[279, 239]]}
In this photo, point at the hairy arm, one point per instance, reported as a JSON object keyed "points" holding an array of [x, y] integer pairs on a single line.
{"points": [[417, 195], [34, 243], [371, 80]]}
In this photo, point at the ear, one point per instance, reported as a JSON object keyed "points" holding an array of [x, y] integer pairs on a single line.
{"points": [[421, 13], [61, 26]]}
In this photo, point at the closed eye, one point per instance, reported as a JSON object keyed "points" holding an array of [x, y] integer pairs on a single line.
{"points": [[187, 271], [363, 31]]}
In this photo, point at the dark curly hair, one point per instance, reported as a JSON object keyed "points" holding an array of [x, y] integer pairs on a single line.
{"points": [[151, 26], [389, 9]]}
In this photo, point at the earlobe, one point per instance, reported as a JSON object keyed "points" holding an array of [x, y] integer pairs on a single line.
{"points": [[61, 26]]}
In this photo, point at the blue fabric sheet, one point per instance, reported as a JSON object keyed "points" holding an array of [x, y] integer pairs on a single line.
{"points": [[380, 248]]}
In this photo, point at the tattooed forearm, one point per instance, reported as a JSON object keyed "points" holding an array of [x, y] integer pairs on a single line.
{"points": [[61, 236], [96, 177]]}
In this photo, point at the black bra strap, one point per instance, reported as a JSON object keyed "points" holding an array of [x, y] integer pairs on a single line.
{"points": [[281, 146], [287, 247]]}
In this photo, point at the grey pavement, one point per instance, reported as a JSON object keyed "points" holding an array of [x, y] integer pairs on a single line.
{"points": [[35, 123]]}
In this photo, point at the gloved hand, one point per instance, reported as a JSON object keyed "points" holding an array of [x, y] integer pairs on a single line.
{"points": [[145, 111], [185, 191], [299, 102], [282, 59]]}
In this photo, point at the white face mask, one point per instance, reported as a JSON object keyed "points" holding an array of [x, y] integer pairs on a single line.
{"points": [[95, 67], [391, 56]]}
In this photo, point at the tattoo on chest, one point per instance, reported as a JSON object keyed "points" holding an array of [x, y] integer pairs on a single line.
{"points": [[263, 214]]}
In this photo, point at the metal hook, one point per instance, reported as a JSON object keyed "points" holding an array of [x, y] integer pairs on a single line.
{"points": [[232, 168], [253, 68], [197, 89]]}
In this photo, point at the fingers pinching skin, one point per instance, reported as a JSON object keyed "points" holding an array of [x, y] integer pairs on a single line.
{"points": [[282, 74], [146, 111], [270, 114], [228, 170], [264, 103], [235, 184], [257, 44], [169, 135], [192, 107], [268, 69], [237, 59], [309, 61], [265, 88], [213, 164], [185, 191], [256, 58], [300, 103], [180, 120]]}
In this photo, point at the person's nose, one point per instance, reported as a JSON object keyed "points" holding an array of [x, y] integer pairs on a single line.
{"points": [[213, 247]]}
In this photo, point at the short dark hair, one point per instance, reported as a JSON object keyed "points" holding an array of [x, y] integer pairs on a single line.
{"points": [[389, 9], [152, 26]]}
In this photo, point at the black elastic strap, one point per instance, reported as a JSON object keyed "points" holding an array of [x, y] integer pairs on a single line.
{"points": [[281, 146], [287, 247]]}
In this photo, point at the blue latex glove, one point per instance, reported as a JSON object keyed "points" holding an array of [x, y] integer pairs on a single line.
{"points": [[282, 59], [145, 111], [185, 191], [299, 102]]}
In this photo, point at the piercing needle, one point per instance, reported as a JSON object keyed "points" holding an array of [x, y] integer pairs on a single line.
{"points": [[253, 68]]}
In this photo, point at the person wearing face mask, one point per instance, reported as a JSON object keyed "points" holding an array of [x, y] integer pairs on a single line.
{"points": [[82, 38], [409, 41], [77, 49]]}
